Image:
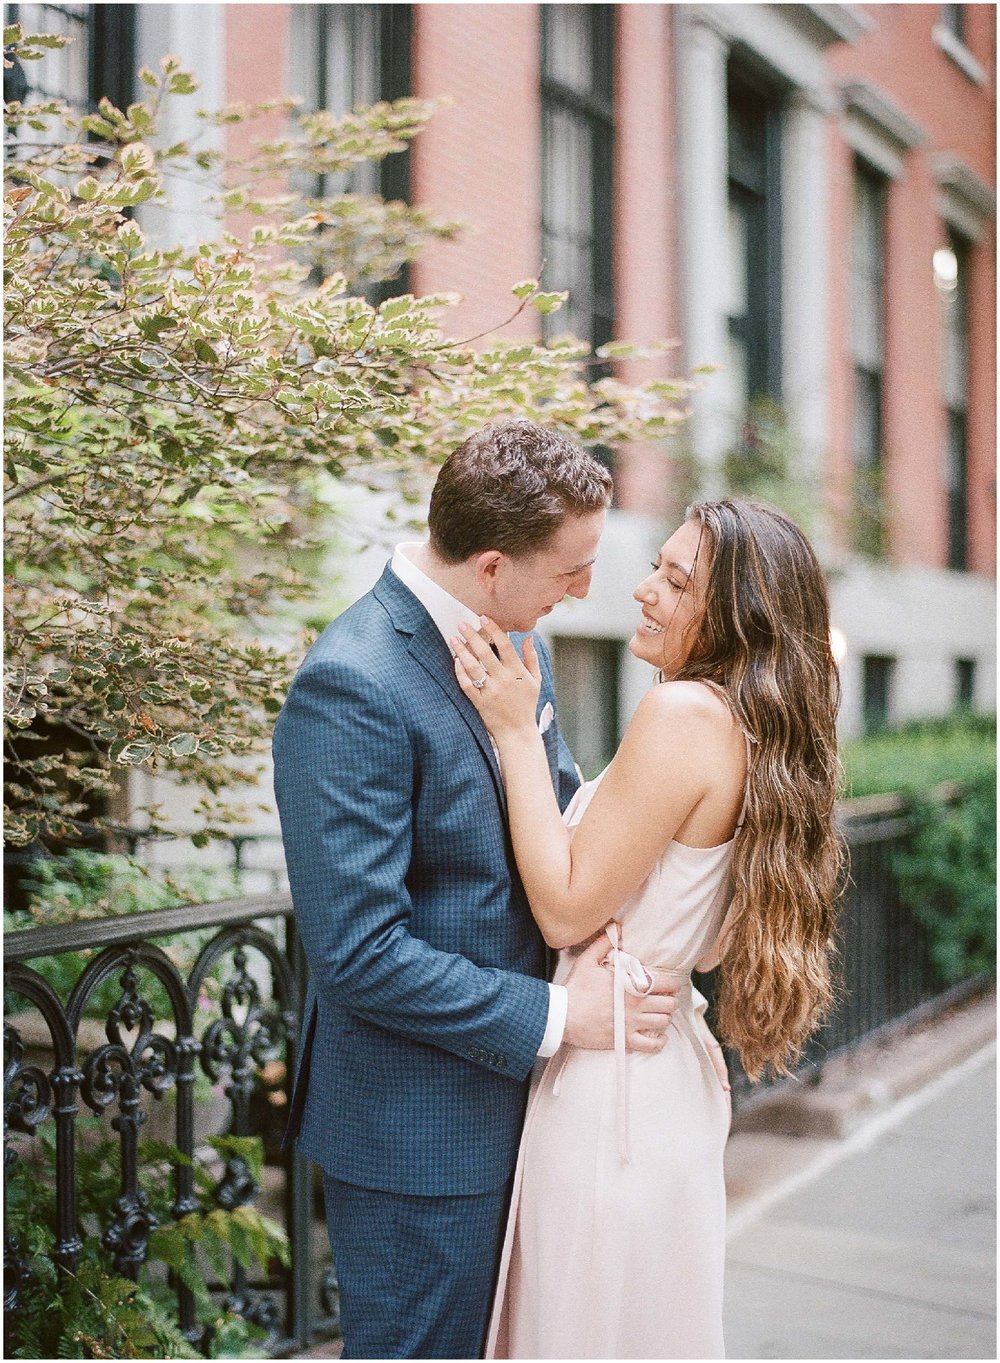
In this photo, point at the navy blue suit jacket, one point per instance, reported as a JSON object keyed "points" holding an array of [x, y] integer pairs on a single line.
{"points": [[427, 1000]]}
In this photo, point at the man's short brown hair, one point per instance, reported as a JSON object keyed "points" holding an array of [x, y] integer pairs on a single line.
{"points": [[510, 487]]}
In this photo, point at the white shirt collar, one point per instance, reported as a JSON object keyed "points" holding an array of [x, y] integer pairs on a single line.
{"points": [[443, 608]]}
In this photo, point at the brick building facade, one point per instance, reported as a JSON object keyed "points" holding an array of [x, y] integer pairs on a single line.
{"points": [[803, 195]]}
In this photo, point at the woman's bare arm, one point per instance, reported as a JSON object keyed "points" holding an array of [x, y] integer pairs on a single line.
{"points": [[668, 762]]}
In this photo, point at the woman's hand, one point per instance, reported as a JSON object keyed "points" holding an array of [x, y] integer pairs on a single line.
{"points": [[502, 688]]}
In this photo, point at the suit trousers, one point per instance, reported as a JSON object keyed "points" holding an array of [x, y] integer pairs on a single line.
{"points": [[416, 1274]]}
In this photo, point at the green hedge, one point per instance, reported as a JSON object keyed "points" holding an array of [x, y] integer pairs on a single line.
{"points": [[919, 755], [947, 876], [947, 873]]}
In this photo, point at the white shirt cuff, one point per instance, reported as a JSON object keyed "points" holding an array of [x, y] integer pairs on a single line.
{"points": [[556, 1024]]}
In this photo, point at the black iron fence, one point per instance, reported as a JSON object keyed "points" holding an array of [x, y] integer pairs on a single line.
{"points": [[885, 973], [229, 1022]]}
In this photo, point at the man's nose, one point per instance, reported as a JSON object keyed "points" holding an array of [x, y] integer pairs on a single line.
{"points": [[580, 585]]}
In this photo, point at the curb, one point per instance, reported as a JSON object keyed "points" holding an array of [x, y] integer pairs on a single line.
{"points": [[792, 1163], [867, 1080]]}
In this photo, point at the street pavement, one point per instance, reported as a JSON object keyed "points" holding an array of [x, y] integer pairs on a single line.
{"points": [[886, 1246]]}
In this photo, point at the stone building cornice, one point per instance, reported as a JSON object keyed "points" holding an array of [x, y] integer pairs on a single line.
{"points": [[877, 128], [964, 199]]}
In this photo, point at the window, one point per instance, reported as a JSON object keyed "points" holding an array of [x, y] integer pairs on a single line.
{"points": [[951, 271], [965, 683], [577, 146], [99, 61], [586, 672], [754, 246], [951, 35], [343, 56], [877, 673], [953, 19], [868, 353]]}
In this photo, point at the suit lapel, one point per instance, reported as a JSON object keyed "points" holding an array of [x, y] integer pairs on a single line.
{"points": [[428, 648], [432, 653], [551, 750]]}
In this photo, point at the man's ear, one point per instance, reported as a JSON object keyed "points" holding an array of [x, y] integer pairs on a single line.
{"points": [[487, 565]]}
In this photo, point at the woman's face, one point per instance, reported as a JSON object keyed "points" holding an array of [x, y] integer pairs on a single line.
{"points": [[671, 598]]}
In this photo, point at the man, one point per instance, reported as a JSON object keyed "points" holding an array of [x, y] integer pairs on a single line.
{"points": [[428, 1001]]}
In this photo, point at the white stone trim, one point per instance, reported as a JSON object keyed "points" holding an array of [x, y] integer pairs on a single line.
{"points": [[954, 48], [197, 34], [923, 617], [805, 295], [964, 200], [839, 23], [791, 41], [878, 129], [703, 51]]}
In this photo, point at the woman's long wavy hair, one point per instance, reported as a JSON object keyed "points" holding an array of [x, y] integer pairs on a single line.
{"points": [[763, 635]]}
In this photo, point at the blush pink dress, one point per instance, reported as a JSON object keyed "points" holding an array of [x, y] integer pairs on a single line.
{"points": [[615, 1242]]}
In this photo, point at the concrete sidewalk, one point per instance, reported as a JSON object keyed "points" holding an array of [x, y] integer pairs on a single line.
{"points": [[878, 1245], [862, 1210]]}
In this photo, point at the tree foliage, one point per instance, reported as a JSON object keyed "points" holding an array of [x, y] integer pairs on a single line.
{"points": [[176, 415]]}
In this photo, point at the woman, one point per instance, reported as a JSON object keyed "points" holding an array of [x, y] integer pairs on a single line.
{"points": [[708, 839]]}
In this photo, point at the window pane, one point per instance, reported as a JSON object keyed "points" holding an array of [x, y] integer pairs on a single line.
{"points": [[748, 115], [867, 418], [955, 304], [877, 674], [753, 249], [965, 682], [958, 495], [64, 72], [569, 56], [576, 169], [736, 258], [867, 270], [335, 54], [953, 18]]}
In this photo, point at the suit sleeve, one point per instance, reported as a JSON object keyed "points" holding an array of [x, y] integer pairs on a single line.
{"points": [[344, 777]]}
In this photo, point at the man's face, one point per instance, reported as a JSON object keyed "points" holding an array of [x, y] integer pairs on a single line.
{"points": [[526, 588]]}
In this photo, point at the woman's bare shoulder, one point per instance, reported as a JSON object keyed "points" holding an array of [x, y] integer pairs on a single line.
{"points": [[686, 703]]}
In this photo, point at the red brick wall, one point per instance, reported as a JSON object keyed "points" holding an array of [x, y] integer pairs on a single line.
{"points": [[479, 161], [646, 285], [257, 38], [900, 57]]}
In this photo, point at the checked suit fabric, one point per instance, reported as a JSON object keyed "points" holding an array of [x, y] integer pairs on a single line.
{"points": [[427, 1000]]}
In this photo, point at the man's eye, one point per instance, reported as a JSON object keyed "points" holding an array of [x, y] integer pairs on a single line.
{"points": [[655, 567]]}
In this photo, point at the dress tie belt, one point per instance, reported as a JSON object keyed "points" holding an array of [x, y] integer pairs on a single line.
{"points": [[631, 977]]}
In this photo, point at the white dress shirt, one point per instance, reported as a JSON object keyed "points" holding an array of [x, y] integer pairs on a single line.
{"points": [[447, 613]]}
